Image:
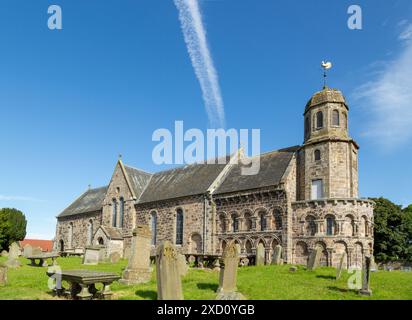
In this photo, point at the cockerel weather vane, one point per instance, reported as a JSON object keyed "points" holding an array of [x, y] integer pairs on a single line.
{"points": [[326, 65]]}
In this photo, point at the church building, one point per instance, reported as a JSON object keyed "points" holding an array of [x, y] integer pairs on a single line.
{"points": [[303, 197]]}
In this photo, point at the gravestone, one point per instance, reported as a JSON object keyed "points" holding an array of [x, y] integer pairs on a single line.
{"points": [[169, 284], [27, 250], [4, 253], [260, 254], [91, 256], [216, 265], [374, 266], [293, 269], [244, 262], [138, 268], [340, 265], [3, 275], [114, 257], [366, 291], [277, 255], [228, 275], [314, 258], [14, 252], [192, 260], [183, 267]]}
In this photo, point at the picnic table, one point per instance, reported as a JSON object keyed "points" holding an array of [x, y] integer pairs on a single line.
{"points": [[42, 257], [83, 284]]}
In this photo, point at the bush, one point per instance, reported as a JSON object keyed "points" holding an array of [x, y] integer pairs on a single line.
{"points": [[12, 227]]}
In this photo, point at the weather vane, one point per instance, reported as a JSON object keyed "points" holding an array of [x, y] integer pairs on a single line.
{"points": [[326, 65]]}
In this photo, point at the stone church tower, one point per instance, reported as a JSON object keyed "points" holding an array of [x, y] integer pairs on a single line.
{"points": [[328, 212]]}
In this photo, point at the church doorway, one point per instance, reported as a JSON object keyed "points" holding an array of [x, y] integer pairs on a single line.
{"points": [[61, 245]]}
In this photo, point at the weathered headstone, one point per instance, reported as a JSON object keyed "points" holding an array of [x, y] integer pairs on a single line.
{"points": [[183, 266], [366, 291], [4, 253], [216, 265], [169, 283], [374, 266], [314, 258], [138, 268], [14, 252], [277, 255], [339, 269], [114, 257], [27, 250], [260, 254], [91, 256], [192, 260], [3, 275], [228, 275]]}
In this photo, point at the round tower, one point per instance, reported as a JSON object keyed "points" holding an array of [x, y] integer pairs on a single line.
{"points": [[329, 156]]}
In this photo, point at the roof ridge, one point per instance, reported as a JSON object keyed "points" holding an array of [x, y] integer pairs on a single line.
{"points": [[137, 169]]}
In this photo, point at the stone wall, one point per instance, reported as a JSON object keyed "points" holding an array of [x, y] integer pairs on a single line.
{"points": [[247, 208], [351, 226], [80, 227], [165, 211]]}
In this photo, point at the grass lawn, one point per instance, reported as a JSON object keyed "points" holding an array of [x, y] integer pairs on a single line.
{"points": [[256, 283]]}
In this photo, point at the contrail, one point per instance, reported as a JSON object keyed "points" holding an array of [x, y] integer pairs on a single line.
{"points": [[195, 38]]}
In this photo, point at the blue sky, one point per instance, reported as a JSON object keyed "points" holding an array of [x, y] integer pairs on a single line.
{"points": [[72, 100]]}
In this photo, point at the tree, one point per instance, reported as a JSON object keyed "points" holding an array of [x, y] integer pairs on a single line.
{"points": [[393, 227], [12, 227]]}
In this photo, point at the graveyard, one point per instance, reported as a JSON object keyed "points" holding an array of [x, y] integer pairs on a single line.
{"points": [[268, 282]]}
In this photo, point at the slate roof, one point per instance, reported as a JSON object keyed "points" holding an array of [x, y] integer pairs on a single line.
{"points": [[180, 182], [90, 201], [272, 168], [138, 179]]}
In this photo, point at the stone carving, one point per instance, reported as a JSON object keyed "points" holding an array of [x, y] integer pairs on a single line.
{"points": [[138, 268], [340, 265], [314, 259], [366, 291], [260, 254], [169, 285], [3, 275], [14, 252], [228, 275], [277, 256]]}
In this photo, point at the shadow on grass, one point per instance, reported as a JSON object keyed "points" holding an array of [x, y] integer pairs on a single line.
{"points": [[326, 277], [344, 290], [147, 294], [207, 286]]}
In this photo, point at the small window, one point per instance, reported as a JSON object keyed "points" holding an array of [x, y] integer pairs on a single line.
{"points": [[317, 155], [235, 223], [121, 212], [114, 213], [335, 118], [330, 224], [319, 120], [179, 226], [317, 189], [307, 126], [262, 222], [153, 227]]}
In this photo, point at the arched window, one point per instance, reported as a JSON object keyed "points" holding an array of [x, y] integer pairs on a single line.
{"points": [[317, 155], [90, 232], [248, 222], [262, 222], [310, 226], [153, 218], [70, 236], [319, 120], [335, 118], [330, 226], [179, 226], [307, 126], [114, 213], [235, 223], [121, 212], [222, 221], [345, 119], [277, 220]]}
